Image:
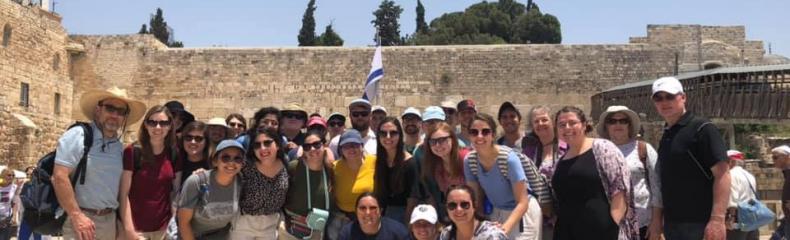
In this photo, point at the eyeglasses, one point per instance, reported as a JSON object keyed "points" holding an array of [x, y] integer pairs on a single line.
{"points": [[229, 159], [567, 124], [236, 125], [294, 116], [336, 124], [154, 123], [190, 138], [310, 146], [388, 134], [265, 143], [463, 204], [115, 110], [613, 121], [438, 141], [477, 132], [664, 97], [360, 114]]}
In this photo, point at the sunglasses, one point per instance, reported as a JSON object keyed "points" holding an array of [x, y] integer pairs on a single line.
{"points": [[448, 111], [190, 138], [265, 143], [360, 114], [294, 116], [115, 110], [388, 134], [154, 123], [229, 159], [477, 132], [463, 204], [310, 146], [613, 121], [236, 125], [10, 175], [336, 124], [438, 141], [664, 97]]}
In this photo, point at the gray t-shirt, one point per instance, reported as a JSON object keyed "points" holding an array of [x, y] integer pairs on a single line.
{"points": [[104, 167], [214, 205]]}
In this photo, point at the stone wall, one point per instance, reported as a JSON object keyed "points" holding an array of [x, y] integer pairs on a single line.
{"points": [[36, 55], [215, 82]]}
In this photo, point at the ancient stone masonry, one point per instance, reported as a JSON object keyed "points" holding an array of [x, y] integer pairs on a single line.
{"points": [[33, 57], [213, 82]]}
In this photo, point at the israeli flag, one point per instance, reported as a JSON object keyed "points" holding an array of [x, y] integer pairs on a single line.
{"points": [[376, 73]]}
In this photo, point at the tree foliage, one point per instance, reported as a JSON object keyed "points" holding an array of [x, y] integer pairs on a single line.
{"points": [[330, 37], [143, 30], [307, 33], [505, 21], [386, 22], [422, 26], [160, 30]]}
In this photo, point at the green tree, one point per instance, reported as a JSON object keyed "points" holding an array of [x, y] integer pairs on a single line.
{"points": [[143, 29], [307, 33], [330, 37], [422, 26], [535, 27], [160, 30], [387, 23]]}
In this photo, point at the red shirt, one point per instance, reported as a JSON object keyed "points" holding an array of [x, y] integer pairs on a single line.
{"points": [[149, 194]]}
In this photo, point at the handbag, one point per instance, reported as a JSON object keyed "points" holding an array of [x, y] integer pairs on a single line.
{"points": [[317, 218], [753, 214]]}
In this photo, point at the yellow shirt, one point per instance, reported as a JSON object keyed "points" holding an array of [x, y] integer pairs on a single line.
{"points": [[349, 184]]}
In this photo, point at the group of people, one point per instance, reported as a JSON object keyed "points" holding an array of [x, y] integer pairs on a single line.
{"points": [[442, 173]]}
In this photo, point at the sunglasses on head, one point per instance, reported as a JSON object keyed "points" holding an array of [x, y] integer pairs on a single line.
{"points": [[476, 132], [154, 123], [115, 110], [310, 146], [438, 140], [664, 97], [336, 124], [613, 121], [388, 134], [189, 138], [463, 204], [229, 159], [265, 143], [360, 114], [236, 125]]}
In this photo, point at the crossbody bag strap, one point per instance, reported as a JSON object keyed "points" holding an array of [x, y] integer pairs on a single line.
{"points": [[751, 187], [309, 192]]}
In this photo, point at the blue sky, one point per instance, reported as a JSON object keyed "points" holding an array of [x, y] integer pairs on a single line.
{"points": [[237, 23]]}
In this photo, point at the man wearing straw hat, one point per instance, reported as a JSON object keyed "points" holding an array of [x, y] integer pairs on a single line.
{"points": [[91, 206]]}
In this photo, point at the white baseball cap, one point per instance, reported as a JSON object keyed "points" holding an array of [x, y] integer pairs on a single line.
{"points": [[669, 85], [412, 111], [423, 212]]}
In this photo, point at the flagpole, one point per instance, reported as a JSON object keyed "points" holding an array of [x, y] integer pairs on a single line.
{"points": [[378, 89]]}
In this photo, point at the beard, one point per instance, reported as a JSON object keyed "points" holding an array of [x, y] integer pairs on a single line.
{"points": [[411, 129], [361, 127]]}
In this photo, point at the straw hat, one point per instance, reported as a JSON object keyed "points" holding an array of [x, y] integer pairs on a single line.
{"points": [[634, 126], [91, 99]]}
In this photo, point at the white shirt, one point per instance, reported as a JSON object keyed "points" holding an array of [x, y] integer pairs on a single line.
{"points": [[740, 189], [642, 194], [369, 139], [7, 196]]}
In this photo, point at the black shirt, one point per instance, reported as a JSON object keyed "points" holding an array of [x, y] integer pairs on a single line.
{"points": [[584, 209], [390, 229], [685, 158], [188, 167]]}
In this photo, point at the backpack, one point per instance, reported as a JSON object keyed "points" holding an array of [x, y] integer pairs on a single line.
{"points": [[538, 187], [39, 200]]}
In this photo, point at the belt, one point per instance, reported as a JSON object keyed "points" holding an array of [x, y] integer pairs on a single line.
{"points": [[98, 212]]}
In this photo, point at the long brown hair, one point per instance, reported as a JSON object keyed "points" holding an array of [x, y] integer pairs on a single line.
{"points": [[145, 138], [431, 161]]}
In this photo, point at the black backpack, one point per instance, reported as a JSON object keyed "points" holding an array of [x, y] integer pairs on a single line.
{"points": [[38, 197]]}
